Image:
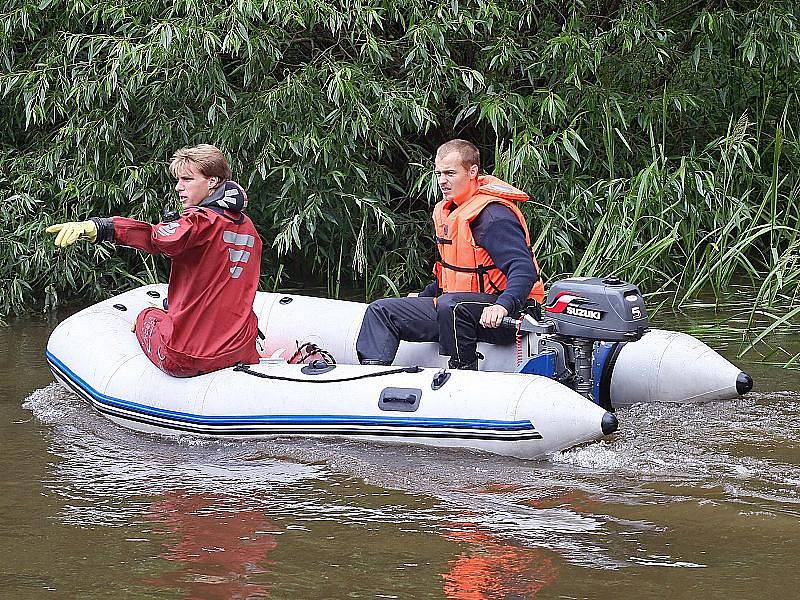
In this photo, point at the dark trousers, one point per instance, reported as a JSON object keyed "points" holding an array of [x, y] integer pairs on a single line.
{"points": [[453, 321]]}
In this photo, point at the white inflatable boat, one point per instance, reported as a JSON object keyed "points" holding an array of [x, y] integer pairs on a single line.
{"points": [[662, 366], [504, 408]]}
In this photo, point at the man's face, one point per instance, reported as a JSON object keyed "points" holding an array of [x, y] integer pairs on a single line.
{"points": [[193, 187], [456, 181]]}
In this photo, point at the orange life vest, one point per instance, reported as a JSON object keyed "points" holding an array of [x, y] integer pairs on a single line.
{"points": [[464, 265]]}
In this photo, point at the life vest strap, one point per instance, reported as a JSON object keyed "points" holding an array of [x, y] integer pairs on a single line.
{"points": [[480, 269], [497, 290]]}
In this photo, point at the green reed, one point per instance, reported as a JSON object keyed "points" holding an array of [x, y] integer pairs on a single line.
{"points": [[658, 140]]}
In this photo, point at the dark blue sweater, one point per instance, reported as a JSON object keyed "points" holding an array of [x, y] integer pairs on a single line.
{"points": [[497, 230]]}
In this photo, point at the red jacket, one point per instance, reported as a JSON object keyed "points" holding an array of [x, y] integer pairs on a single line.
{"points": [[216, 263]]}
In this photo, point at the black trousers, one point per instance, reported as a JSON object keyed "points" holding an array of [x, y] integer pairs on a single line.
{"points": [[453, 321]]}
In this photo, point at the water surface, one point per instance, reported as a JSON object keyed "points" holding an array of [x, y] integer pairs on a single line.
{"points": [[684, 502]]}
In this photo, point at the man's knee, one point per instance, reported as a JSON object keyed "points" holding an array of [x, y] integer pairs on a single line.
{"points": [[459, 310], [463, 301], [447, 303], [380, 308]]}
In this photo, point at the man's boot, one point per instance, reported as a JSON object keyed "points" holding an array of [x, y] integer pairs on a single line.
{"points": [[456, 364]]}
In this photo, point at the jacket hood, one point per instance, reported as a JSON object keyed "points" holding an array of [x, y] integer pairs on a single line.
{"points": [[228, 196]]}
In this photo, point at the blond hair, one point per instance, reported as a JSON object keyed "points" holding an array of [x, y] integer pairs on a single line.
{"points": [[469, 153], [208, 159]]}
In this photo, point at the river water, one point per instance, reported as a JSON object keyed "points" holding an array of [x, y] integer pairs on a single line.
{"points": [[683, 502]]}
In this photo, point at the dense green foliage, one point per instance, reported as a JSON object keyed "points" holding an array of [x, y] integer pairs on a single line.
{"points": [[658, 139]]}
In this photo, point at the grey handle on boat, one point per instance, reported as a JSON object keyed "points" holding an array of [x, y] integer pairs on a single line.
{"points": [[528, 324], [509, 323]]}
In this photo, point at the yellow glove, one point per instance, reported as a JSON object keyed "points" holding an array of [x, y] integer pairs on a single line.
{"points": [[69, 233]]}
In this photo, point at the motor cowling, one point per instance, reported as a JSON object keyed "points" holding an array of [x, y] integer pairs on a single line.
{"points": [[591, 308]]}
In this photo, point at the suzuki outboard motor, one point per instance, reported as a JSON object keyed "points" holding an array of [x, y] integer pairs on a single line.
{"points": [[584, 324], [590, 308]]}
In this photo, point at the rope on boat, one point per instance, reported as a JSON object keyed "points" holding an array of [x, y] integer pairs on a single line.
{"points": [[242, 368]]}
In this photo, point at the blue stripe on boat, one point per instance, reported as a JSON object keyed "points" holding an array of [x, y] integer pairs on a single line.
{"points": [[478, 424]]}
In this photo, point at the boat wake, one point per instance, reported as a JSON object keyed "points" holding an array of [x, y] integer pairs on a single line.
{"points": [[573, 505]]}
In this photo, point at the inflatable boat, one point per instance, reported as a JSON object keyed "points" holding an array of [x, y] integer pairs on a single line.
{"points": [[625, 361], [553, 389]]}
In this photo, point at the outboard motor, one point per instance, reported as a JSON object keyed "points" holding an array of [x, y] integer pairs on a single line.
{"points": [[584, 323]]}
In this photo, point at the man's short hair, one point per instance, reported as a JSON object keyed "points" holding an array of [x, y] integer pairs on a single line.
{"points": [[469, 153], [208, 159]]}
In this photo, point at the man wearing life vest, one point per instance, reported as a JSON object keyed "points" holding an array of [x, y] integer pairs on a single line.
{"points": [[485, 271], [208, 322]]}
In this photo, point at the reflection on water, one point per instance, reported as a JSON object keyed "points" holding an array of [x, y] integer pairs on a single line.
{"points": [[684, 498], [219, 546], [491, 568]]}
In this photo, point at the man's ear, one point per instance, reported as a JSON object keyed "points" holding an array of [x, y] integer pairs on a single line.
{"points": [[473, 171], [213, 182]]}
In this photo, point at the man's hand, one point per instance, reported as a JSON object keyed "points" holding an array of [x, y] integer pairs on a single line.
{"points": [[492, 316], [69, 233]]}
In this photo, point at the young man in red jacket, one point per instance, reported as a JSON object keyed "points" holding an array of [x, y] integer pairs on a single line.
{"points": [[209, 322]]}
